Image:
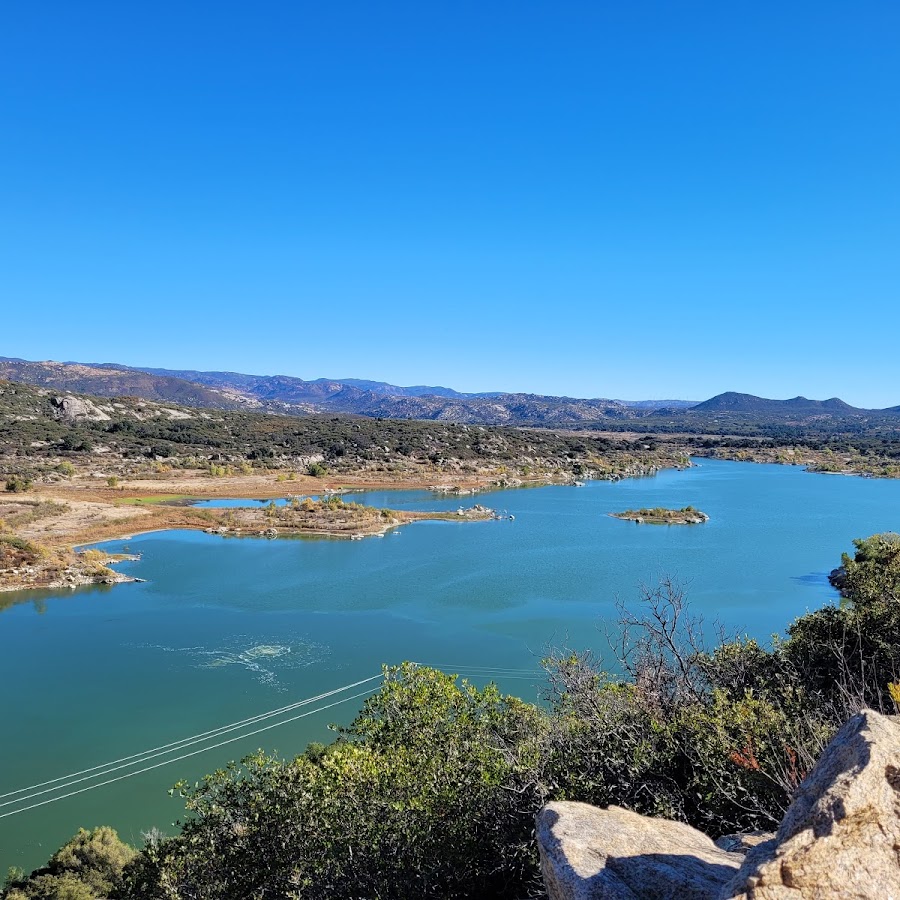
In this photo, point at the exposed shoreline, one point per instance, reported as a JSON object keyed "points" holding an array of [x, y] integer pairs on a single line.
{"points": [[70, 559], [58, 522]]}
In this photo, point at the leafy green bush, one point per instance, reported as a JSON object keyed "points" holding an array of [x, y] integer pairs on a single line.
{"points": [[846, 655], [88, 867], [420, 797]]}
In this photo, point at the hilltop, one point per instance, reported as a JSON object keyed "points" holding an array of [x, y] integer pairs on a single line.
{"points": [[37, 423], [731, 401]]}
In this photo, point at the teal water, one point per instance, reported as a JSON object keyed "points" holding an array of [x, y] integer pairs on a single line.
{"points": [[226, 628]]}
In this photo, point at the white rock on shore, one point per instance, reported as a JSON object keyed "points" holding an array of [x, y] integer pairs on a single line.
{"points": [[614, 854], [839, 840]]}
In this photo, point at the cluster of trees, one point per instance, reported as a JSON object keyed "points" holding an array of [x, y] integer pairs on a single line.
{"points": [[139, 430], [432, 790]]}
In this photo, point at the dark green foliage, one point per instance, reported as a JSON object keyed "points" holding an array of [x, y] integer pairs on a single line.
{"points": [[848, 654], [76, 443], [872, 575]]}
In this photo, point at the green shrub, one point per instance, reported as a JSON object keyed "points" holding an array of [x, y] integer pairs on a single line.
{"points": [[17, 484], [88, 867], [420, 797]]}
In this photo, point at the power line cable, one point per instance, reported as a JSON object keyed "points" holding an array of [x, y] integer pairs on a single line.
{"points": [[138, 758], [90, 787]]}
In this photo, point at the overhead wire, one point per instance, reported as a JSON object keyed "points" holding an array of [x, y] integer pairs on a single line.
{"points": [[481, 671], [137, 758], [167, 762], [66, 781]]}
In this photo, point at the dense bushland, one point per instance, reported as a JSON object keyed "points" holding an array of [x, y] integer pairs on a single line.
{"points": [[432, 790], [35, 438]]}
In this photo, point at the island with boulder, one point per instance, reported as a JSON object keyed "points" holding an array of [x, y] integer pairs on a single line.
{"points": [[659, 515]]}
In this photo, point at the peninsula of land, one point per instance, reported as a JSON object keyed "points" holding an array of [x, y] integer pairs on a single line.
{"points": [[40, 539]]}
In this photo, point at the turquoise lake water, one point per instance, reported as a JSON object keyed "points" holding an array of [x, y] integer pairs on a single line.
{"points": [[227, 628]]}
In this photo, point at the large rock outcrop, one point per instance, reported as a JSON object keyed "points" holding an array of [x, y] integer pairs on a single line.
{"points": [[614, 854], [839, 840], [71, 409]]}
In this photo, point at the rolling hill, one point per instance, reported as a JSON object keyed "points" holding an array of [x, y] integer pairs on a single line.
{"points": [[733, 402], [114, 381], [296, 396]]}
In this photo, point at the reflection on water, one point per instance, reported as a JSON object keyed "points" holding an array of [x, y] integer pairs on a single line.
{"points": [[38, 596]]}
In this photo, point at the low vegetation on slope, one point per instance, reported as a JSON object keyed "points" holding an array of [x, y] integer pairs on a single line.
{"points": [[38, 425], [42, 432], [109, 381], [432, 790]]}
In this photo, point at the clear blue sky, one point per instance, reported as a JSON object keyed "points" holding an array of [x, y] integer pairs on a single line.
{"points": [[630, 199]]}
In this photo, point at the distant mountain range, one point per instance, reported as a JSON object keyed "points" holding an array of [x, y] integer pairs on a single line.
{"points": [[285, 394], [113, 381]]}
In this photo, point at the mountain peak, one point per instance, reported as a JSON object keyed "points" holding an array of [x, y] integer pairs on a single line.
{"points": [[732, 401]]}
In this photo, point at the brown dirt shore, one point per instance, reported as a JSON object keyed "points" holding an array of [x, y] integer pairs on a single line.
{"points": [[256, 486], [54, 520], [97, 512]]}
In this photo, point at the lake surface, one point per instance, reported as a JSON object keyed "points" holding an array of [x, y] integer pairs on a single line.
{"points": [[228, 628]]}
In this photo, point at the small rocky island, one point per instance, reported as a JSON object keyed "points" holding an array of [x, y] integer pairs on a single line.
{"points": [[659, 515]]}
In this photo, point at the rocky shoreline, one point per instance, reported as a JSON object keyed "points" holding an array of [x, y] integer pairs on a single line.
{"points": [[47, 574]]}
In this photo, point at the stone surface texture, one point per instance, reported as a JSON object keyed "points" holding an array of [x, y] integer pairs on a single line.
{"points": [[840, 838], [743, 842], [71, 409], [614, 854]]}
